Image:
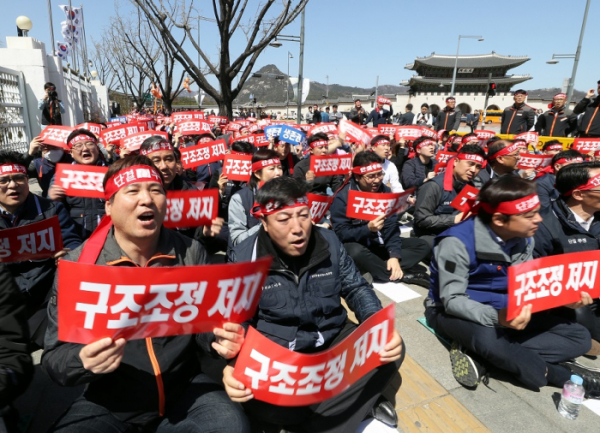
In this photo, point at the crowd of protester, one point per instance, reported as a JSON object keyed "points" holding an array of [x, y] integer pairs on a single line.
{"points": [[461, 257]]}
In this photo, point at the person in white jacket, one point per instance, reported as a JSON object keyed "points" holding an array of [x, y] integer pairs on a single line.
{"points": [[424, 118]]}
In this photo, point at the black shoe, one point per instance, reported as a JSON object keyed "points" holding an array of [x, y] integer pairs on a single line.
{"points": [[384, 411], [591, 379], [468, 372], [417, 278]]}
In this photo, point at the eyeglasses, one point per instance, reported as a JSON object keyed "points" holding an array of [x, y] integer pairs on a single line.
{"points": [[592, 190], [18, 179], [515, 155], [374, 176], [88, 144]]}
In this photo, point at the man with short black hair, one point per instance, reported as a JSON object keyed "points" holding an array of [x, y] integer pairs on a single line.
{"points": [[424, 118], [408, 116], [51, 106], [502, 158], [519, 117], [318, 145], [448, 119], [358, 114], [335, 116], [381, 146], [420, 169], [589, 125], [379, 116], [546, 178]]}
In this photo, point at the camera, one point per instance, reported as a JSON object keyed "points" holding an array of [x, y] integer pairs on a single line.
{"points": [[52, 94]]}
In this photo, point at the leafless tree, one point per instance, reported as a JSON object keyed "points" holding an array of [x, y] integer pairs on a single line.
{"points": [[172, 18]]}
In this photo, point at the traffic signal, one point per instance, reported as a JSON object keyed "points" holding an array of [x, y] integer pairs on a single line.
{"points": [[492, 89], [254, 101]]}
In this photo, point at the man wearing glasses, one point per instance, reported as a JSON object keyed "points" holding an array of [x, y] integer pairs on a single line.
{"points": [[376, 246], [503, 157], [19, 207]]}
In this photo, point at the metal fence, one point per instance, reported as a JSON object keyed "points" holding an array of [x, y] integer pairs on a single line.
{"points": [[15, 133]]}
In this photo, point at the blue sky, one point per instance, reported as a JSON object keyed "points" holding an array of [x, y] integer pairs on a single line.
{"points": [[354, 41]]}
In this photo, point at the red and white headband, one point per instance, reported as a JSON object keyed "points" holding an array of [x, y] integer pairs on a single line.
{"points": [[365, 169], [425, 143], [81, 137], [560, 95], [129, 175], [569, 160], [556, 146], [506, 151], [471, 157], [319, 143], [591, 184], [470, 139], [382, 142], [259, 165], [514, 207], [275, 206], [157, 147], [12, 169]]}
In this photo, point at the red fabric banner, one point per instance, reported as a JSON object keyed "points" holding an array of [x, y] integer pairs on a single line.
{"points": [[258, 140], [56, 135], [354, 132], [304, 127], [81, 180], [238, 167], [324, 128], [201, 154], [218, 120], [184, 116], [484, 134], [553, 281], [282, 377], [235, 126], [369, 205], [408, 133], [114, 135], [319, 205], [586, 145], [146, 124], [529, 161], [35, 241], [94, 128], [373, 132], [465, 200], [330, 165], [440, 168], [383, 100], [387, 129], [133, 142], [529, 137], [193, 127], [95, 301], [191, 208], [443, 157], [428, 132]]}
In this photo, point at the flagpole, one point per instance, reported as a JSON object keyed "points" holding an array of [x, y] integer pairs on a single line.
{"points": [[70, 16], [51, 28], [86, 66]]}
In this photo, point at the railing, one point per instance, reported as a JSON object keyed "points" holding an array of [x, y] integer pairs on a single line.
{"points": [[15, 131]]}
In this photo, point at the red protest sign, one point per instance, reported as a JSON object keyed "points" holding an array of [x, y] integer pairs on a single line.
{"points": [[133, 142], [238, 167], [184, 116], [235, 126], [191, 208], [146, 124], [383, 100], [484, 134], [369, 205], [552, 281], [218, 120], [530, 161], [330, 165], [319, 205], [440, 168], [258, 140], [201, 154], [325, 128], [529, 137], [586, 145], [408, 132], [94, 128], [35, 241], [80, 180], [95, 301], [373, 131], [283, 377], [354, 132], [304, 127], [56, 135], [193, 127], [443, 157], [465, 200], [112, 135], [387, 129], [428, 132]]}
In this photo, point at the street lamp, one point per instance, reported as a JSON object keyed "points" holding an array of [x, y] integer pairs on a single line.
{"points": [[24, 24], [573, 56], [479, 38], [287, 89], [276, 44]]}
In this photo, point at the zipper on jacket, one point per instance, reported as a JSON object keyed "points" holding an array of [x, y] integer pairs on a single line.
{"points": [[158, 376], [511, 120], [592, 119]]}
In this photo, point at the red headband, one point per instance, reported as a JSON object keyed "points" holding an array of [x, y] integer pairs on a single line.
{"points": [[12, 169], [469, 139], [129, 175], [275, 206], [507, 150], [560, 95], [319, 143], [259, 165], [365, 169], [514, 207], [556, 146], [425, 143], [382, 141], [591, 183], [565, 160], [157, 147], [80, 137], [471, 157]]}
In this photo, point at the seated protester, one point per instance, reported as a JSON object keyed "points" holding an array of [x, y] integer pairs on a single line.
{"points": [[310, 274], [15, 362], [19, 208], [203, 172], [318, 144], [86, 212], [468, 296], [433, 213], [552, 147], [285, 154], [546, 178], [418, 170], [376, 246], [266, 165], [400, 151], [502, 158], [43, 168], [154, 384], [572, 224], [559, 121], [381, 146]]}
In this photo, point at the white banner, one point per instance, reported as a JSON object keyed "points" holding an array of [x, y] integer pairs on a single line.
{"points": [[305, 88]]}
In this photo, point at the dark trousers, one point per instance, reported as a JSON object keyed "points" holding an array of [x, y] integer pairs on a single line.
{"points": [[373, 259], [342, 413], [531, 355], [203, 407], [588, 317]]}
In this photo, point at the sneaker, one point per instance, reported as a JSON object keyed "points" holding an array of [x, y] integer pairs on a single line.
{"points": [[468, 372], [384, 412], [417, 278], [591, 378]]}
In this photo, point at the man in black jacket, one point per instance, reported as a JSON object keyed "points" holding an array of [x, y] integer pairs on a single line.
{"points": [[448, 119], [358, 114], [376, 246], [589, 125], [319, 145], [379, 116], [547, 177], [519, 117], [559, 121], [502, 158], [419, 169], [407, 117], [153, 384]]}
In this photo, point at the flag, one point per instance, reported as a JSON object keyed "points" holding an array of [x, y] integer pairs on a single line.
{"points": [[76, 15], [62, 50], [305, 87]]}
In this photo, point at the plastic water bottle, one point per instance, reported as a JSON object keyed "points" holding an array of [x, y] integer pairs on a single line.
{"points": [[572, 398]]}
